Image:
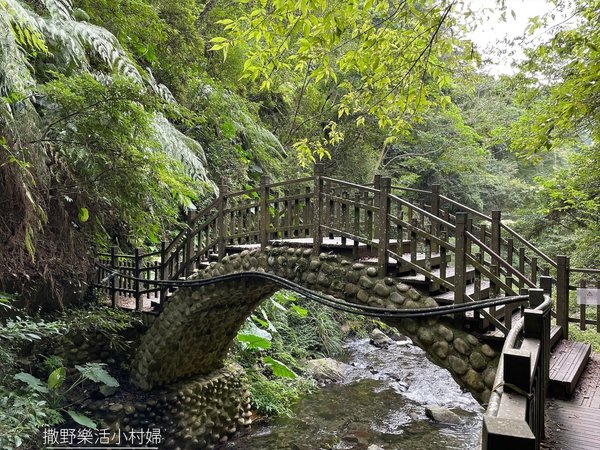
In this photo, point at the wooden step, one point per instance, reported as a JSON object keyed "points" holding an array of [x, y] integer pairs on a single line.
{"points": [[448, 297], [344, 247], [420, 280], [567, 361]]}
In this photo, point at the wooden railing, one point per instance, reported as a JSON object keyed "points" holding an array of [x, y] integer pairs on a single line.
{"points": [[588, 278], [515, 414], [386, 218]]}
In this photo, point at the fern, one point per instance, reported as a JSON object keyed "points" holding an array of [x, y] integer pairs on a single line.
{"points": [[59, 9], [187, 150], [74, 42]]}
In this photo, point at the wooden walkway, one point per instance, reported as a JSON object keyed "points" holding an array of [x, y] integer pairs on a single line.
{"points": [[574, 424]]}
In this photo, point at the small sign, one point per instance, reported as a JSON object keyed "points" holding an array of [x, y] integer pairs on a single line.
{"points": [[588, 296]]}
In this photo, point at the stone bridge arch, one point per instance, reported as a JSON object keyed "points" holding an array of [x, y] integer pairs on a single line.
{"points": [[197, 326]]}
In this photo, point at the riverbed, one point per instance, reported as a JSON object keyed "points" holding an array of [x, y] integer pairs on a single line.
{"points": [[381, 402]]}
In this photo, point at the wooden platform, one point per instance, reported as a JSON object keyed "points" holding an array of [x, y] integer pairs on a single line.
{"points": [[574, 424], [574, 427], [567, 361]]}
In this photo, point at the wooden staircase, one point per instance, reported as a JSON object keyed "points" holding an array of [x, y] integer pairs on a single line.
{"points": [[567, 361]]}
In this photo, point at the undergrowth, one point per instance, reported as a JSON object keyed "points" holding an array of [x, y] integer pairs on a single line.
{"points": [[288, 330], [28, 402]]}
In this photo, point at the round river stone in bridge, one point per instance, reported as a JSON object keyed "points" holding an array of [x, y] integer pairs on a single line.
{"points": [[193, 333]]}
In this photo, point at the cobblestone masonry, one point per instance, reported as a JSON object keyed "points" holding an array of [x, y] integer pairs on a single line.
{"points": [[195, 330]]}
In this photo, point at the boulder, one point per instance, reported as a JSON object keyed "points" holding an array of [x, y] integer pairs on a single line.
{"points": [[379, 339], [442, 415], [326, 369]]}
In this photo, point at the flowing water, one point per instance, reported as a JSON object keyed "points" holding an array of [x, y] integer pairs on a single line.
{"points": [[381, 402]]}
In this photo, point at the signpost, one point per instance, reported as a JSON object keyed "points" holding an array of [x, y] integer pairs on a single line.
{"points": [[588, 296]]}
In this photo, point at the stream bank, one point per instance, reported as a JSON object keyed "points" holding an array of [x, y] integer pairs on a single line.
{"points": [[380, 403]]}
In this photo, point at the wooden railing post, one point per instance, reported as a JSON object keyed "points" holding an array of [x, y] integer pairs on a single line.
{"points": [[435, 210], [221, 221], [377, 181], [460, 267], [264, 211], [383, 228], [495, 244], [188, 252], [317, 232], [546, 284], [562, 294], [113, 279], [137, 263], [162, 270]]}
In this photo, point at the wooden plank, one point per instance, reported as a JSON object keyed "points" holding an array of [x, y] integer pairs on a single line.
{"points": [[567, 362], [572, 426]]}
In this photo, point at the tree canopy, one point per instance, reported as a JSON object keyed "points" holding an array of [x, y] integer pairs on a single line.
{"points": [[190, 95]]}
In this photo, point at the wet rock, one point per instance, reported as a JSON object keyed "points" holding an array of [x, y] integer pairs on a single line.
{"points": [[478, 361], [379, 339], [362, 295], [473, 380], [488, 351], [396, 298], [442, 415], [461, 346], [489, 376], [425, 335], [374, 447], [414, 294], [358, 266], [365, 282], [440, 349], [457, 365], [402, 287], [446, 333], [382, 290], [409, 325], [372, 271], [472, 339], [350, 288], [326, 369]]}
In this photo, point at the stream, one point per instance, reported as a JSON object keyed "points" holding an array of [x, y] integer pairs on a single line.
{"points": [[381, 403]]}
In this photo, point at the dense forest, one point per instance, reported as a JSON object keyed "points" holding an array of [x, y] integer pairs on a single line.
{"points": [[118, 117], [191, 95]]}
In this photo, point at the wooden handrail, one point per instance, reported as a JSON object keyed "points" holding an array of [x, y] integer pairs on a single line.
{"points": [[499, 259], [465, 208], [423, 212], [351, 185], [407, 189], [529, 245], [526, 380]]}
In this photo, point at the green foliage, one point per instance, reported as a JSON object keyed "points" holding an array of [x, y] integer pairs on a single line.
{"points": [[105, 132], [276, 396], [54, 392], [590, 336], [22, 412], [283, 331], [347, 54], [101, 319], [21, 417]]}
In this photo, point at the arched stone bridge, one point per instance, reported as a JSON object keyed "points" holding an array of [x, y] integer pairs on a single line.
{"points": [[193, 333], [395, 248]]}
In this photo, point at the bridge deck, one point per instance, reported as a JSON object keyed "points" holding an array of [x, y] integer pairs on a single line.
{"points": [[573, 424]]}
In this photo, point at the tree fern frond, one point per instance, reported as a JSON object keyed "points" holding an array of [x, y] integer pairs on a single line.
{"points": [[106, 46], [160, 89], [185, 149], [59, 9], [15, 76]]}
